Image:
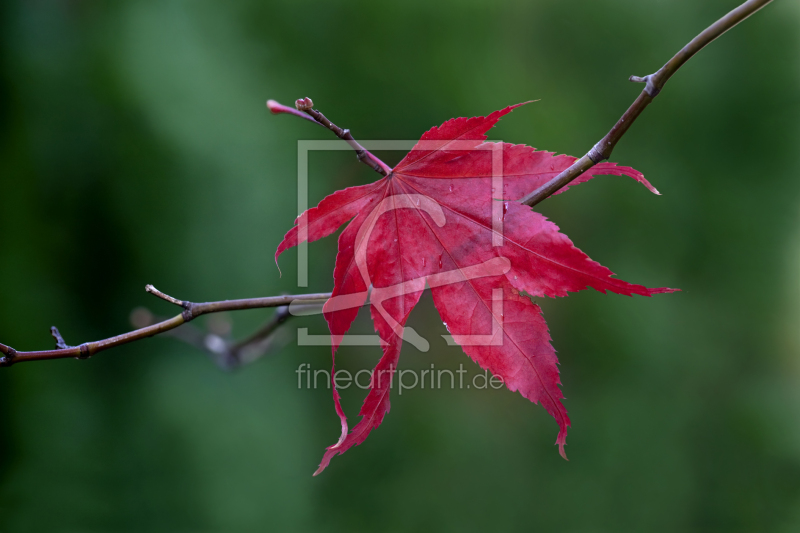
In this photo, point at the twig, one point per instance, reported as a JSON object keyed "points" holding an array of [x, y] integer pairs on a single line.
{"points": [[190, 312], [141, 317], [225, 353], [60, 344], [253, 346], [165, 297], [304, 109], [654, 83]]}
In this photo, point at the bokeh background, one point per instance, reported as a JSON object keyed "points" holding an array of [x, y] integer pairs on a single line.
{"points": [[135, 148]]}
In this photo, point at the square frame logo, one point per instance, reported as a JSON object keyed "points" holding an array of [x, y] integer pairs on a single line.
{"points": [[376, 296]]}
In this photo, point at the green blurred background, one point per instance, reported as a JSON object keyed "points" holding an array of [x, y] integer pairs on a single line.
{"points": [[135, 148]]}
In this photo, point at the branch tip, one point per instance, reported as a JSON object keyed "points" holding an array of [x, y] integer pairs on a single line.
{"points": [[304, 108], [275, 107], [60, 344], [166, 297]]}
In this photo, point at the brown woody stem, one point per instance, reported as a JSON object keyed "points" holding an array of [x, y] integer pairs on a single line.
{"points": [[654, 83], [190, 312], [308, 113], [226, 353], [235, 353], [60, 344]]}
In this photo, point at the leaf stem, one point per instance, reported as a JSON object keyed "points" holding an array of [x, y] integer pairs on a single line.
{"points": [[654, 83]]}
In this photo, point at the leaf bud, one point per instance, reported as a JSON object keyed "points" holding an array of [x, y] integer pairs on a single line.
{"points": [[303, 104]]}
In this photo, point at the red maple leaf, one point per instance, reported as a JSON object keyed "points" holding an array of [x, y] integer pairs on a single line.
{"points": [[446, 217]]}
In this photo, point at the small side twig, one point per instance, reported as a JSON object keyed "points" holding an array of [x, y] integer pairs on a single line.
{"points": [[257, 344], [304, 108], [227, 354], [650, 86], [653, 85], [60, 344], [166, 297]]}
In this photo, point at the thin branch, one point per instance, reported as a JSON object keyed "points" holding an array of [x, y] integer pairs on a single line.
{"points": [[654, 83], [304, 109], [141, 317], [190, 312], [165, 297], [256, 345], [227, 354], [281, 315], [60, 344]]}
